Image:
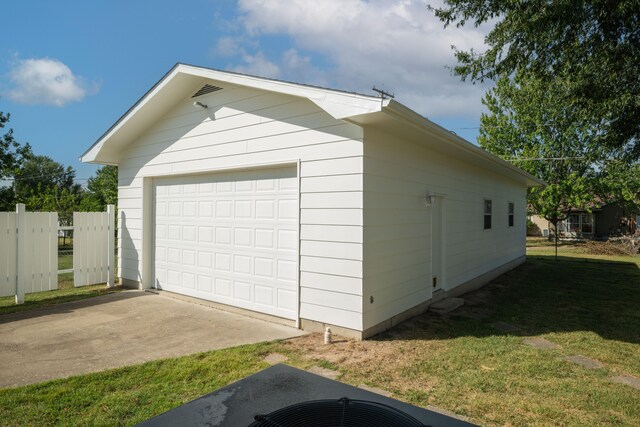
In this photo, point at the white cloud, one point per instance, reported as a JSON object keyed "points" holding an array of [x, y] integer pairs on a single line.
{"points": [[46, 81], [300, 68], [397, 44], [228, 46], [259, 65]]}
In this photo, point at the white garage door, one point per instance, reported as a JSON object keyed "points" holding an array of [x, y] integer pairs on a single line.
{"points": [[230, 238]]}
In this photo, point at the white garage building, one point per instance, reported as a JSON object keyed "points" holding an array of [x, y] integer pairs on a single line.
{"points": [[313, 205]]}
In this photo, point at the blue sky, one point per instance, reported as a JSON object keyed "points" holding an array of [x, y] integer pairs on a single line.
{"points": [[69, 69]]}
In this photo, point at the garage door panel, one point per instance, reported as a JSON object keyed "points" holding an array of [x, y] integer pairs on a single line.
{"points": [[242, 264], [230, 238], [204, 283], [242, 236], [287, 240], [223, 287], [264, 238], [173, 256], [287, 300], [264, 295]]}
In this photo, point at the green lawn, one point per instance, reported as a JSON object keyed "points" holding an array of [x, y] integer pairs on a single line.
{"points": [[586, 304]]}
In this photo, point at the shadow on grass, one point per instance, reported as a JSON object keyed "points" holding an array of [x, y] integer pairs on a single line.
{"points": [[59, 304], [542, 296]]}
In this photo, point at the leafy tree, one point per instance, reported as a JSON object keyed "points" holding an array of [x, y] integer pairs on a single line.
{"points": [[54, 199], [593, 47], [620, 183], [41, 174], [12, 155], [527, 125], [43, 184], [102, 190]]}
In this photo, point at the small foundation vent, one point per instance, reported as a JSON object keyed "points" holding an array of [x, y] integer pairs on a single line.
{"points": [[205, 90]]}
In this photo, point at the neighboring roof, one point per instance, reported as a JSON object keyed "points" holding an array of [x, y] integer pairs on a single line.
{"points": [[349, 106]]}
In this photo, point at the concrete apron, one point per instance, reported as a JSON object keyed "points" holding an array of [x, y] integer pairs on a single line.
{"points": [[115, 330]]}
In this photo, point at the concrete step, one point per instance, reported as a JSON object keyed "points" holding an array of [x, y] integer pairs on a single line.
{"points": [[446, 305]]}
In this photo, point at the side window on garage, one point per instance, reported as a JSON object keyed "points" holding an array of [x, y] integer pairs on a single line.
{"points": [[511, 214], [487, 214]]}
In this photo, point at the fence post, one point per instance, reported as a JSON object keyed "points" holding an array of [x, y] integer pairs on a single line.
{"points": [[21, 256], [111, 209]]}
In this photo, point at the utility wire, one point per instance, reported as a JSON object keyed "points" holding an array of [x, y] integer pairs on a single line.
{"points": [[21, 178], [544, 158]]}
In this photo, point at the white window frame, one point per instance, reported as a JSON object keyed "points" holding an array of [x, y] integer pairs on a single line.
{"points": [[511, 208], [487, 213], [578, 224]]}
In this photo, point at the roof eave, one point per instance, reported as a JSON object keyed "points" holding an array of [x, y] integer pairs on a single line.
{"points": [[338, 104], [91, 154], [398, 110]]}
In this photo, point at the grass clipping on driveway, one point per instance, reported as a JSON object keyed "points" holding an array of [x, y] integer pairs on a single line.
{"points": [[460, 362]]}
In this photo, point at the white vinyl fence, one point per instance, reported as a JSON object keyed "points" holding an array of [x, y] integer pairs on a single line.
{"points": [[29, 250], [8, 251], [93, 250]]}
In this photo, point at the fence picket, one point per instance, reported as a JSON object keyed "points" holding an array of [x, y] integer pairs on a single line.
{"points": [[110, 243], [101, 248], [40, 249], [91, 249], [8, 246], [78, 249], [53, 250], [32, 260], [90, 252]]}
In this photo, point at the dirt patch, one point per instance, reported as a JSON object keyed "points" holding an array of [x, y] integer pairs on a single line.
{"points": [[380, 361], [345, 353], [609, 248], [275, 358]]}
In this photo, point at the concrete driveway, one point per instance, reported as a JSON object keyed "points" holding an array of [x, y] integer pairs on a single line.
{"points": [[118, 329]]}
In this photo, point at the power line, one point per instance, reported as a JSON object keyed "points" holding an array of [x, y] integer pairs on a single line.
{"points": [[22, 178], [544, 158]]}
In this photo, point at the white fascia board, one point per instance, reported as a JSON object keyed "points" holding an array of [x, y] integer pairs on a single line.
{"points": [[336, 103], [398, 110], [91, 155]]}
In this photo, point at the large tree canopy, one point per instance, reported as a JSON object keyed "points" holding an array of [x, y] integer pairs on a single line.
{"points": [[43, 184], [526, 125], [591, 47], [102, 190], [40, 174]]}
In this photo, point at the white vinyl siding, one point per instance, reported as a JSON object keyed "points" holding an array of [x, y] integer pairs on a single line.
{"points": [[244, 127], [397, 252]]}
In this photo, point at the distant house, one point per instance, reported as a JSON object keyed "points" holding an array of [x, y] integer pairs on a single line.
{"points": [[601, 223], [317, 206]]}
